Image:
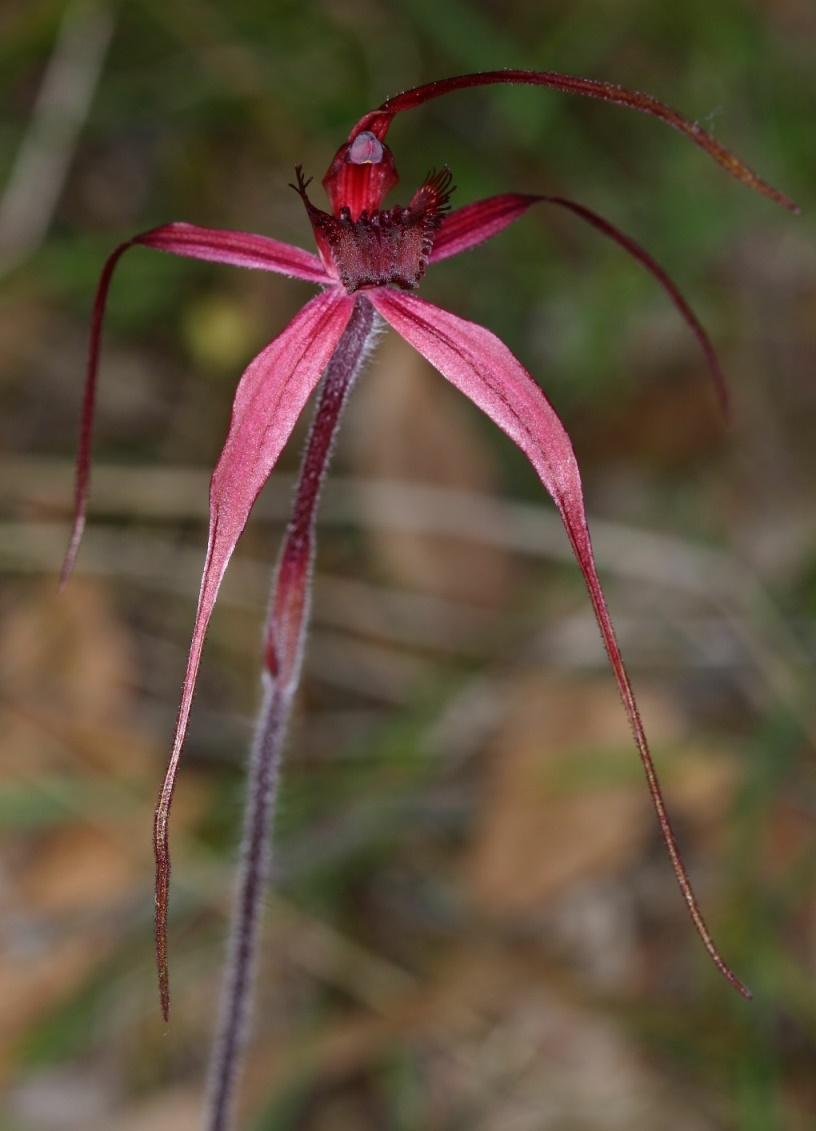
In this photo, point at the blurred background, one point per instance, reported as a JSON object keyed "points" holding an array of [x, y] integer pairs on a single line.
{"points": [[473, 923]]}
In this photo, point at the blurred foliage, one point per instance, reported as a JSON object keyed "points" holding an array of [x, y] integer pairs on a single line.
{"points": [[474, 923]]}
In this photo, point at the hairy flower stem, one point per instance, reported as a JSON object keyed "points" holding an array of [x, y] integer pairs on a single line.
{"points": [[288, 615]]}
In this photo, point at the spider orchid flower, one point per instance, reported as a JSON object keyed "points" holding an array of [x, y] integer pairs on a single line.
{"points": [[369, 262]]}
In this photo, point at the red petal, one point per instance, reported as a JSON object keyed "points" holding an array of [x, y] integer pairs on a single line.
{"points": [[482, 367], [469, 226], [379, 120], [269, 400], [240, 249]]}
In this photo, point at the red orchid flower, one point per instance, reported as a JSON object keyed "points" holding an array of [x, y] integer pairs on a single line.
{"points": [[369, 261]]}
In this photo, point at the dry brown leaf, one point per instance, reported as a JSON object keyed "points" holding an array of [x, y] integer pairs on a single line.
{"points": [[409, 425], [66, 653], [66, 672], [80, 868], [703, 785], [87, 780], [561, 806]]}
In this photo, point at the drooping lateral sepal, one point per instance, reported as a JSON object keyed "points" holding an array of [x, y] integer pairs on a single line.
{"points": [[483, 368], [268, 402]]}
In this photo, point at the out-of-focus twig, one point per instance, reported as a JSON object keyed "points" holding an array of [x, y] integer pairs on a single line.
{"points": [[666, 564], [47, 149]]}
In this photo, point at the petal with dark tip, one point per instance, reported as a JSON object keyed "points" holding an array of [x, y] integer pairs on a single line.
{"points": [[483, 368], [269, 400]]}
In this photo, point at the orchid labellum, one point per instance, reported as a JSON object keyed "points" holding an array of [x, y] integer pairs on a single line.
{"points": [[370, 261]]}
